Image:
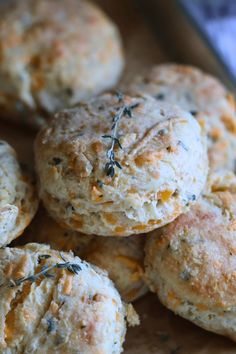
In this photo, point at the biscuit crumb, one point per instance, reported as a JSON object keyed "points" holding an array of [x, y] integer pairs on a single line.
{"points": [[132, 316]]}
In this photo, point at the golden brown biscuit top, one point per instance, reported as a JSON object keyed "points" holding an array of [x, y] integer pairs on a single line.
{"points": [[56, 302], [198, 251], [130, 163], [202, 95], [34, 27], [18, 199], [53, 53], [85, 134], [193, 89]]}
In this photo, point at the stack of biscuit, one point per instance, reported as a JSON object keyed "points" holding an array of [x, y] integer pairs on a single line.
{"points": [[137, 187]]}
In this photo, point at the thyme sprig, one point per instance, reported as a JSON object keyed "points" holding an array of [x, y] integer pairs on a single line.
{"points": [[74, 268], [124, 110]]}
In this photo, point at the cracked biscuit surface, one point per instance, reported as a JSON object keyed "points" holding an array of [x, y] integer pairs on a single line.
{"points": [[18, 200], [191, 263], [202, 95], [161, 152], [72, 308], [53, 54]]}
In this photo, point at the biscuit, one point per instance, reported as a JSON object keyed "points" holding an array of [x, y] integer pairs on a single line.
{"points": [[202, 95], [121, 257], [53, 54], [190, 263], [71, 307], [18, 200], [151, 171]]}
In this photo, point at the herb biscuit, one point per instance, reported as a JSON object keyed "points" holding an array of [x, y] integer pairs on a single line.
{"points": [[202, 95], [55, 303], [53, 54], [121, 257], [117, 166], [18, 200], [191, 263]]}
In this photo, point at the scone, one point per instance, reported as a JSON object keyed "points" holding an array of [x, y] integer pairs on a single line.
{"points": [[53, 54], [18, 200], [121, 257], [116, 166], [53, 302], [191, 263], [202, 95]]}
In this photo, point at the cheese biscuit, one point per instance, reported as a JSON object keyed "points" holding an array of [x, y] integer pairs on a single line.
{"points": [[117, 166], [53, 54], [18, 200], [190, 264], [53, 302], [202, 95]]}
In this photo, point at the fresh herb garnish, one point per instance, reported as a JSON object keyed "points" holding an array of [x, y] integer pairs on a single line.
{"points": [[124, 110], [73, 268]]}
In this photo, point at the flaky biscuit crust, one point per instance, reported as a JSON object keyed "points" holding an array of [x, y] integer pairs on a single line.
{"points": [[204, 96], [190, 263], [163, 159], [122, 257], [18, 200], [63, 313], [53, 54]]}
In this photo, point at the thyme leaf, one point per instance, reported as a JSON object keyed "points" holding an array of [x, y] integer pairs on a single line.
{"points": [[122, 111], [73, 268]]}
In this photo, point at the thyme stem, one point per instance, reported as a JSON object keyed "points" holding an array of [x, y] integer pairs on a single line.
{"points": [[71, 267], [125, 110]]}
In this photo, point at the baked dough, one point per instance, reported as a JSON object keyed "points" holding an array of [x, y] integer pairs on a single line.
{"points": [[18, 200], [202, 95], [190, 263], [163, 159], [121, 257], [53, 54], [73, 308]]}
